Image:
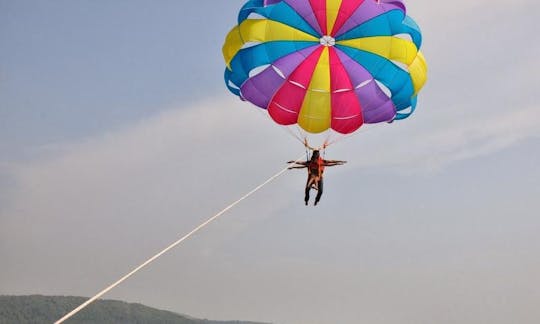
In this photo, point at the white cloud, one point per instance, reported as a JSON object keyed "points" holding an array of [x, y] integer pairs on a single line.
{"points": [[426, 144], [179, 149]]}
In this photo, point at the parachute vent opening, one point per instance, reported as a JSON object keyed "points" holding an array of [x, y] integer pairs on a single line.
{"points": [[232, 85], [406, 111], [298, 84], [250, 44], [320, 90], [285, 108], [279, 72], [256, 16], [384, 89], [401, 65], [327, 41], [404, 36], [345, 117], [341, 90], [258, 70], [363, 84]]}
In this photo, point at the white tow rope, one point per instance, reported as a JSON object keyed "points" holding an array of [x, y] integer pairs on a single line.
{"points": [[185, 237]]}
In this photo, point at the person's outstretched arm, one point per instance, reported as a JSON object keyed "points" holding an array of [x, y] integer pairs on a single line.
{"points": [[333, 162], [298, 163], [297, 167]]}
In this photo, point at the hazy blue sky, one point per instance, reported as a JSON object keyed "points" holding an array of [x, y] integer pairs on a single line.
{"points": [[117, 136]]}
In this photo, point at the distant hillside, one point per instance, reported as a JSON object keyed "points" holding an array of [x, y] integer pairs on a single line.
{"points": [[38, 309]]}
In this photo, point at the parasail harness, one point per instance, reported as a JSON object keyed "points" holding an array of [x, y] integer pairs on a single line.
{"points": [[315, 167]]}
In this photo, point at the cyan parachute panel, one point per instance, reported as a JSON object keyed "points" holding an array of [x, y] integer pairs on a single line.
{"points": [[280, 12]]}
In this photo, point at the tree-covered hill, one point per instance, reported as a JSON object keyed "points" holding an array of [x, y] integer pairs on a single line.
{"points": [[38, 309]]}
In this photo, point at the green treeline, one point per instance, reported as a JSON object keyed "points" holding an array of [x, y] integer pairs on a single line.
{"points": [[38, 309]]}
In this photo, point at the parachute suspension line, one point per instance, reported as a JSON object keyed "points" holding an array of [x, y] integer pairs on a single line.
{"points": [[331, 141], [298, 136], [298, 133], [311, 148], [302, 136], [173, 245], [287, 128]]}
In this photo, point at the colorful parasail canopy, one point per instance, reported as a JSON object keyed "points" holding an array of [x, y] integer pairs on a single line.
{"points": [[326, 64]]}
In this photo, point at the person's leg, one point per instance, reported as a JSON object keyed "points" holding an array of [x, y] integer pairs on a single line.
{"points": [[308, 188], [320, 190]]}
